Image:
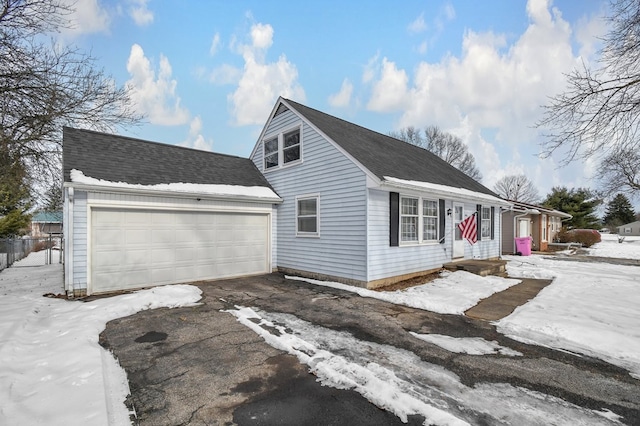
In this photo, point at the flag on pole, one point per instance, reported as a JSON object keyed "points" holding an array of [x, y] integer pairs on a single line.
{"points": [[468, 228]]}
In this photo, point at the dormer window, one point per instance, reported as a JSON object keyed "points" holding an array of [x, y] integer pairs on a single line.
{"points": [[283, 149]]}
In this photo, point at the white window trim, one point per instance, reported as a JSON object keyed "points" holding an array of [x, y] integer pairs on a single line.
{"points": [[420, 230], [280, 136], [482, 220], [309, 234]]}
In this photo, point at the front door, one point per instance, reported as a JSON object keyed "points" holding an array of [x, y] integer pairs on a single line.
{"points": [[458, 242]]}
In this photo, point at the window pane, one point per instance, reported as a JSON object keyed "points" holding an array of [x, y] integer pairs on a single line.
{"points": [[271, 146], [430, 229], [486, 213], [291, 154], [271, 160], [307, 224], [409, 206], [429, 208], [409, 229], [291, 139], [307, 207]]}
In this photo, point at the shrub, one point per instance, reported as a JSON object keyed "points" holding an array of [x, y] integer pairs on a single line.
{"points": [[586, 237]]}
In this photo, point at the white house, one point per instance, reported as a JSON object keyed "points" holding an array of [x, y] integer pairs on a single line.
{"points": [[630, 229], [364, 208], [318, 197]]}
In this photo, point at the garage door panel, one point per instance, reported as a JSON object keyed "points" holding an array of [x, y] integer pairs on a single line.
{"points": [[140, 248]]}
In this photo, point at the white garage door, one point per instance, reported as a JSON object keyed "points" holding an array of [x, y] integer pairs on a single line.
{"points": [[139, 248]]}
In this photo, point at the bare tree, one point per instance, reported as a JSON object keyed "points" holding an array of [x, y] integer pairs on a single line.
{"points": [[45, 86], [517, 188], [599, 114], [445, 145]]}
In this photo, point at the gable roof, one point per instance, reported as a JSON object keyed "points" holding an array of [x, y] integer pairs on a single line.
{"points": [[385, 156], [134, 161]]}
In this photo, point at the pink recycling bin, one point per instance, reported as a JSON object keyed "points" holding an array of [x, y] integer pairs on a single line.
{"points": [[523, 246]]}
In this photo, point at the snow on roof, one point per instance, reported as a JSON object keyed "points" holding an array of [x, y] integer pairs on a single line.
{"points": [[443, 189], [77, 176]]}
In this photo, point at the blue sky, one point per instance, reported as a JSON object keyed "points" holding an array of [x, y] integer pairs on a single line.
{"points": [[207, 73]]}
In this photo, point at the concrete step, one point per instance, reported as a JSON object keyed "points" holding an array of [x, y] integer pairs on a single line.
{"points": [[479, 267]]}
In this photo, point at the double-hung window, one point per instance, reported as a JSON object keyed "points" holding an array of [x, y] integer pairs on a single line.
{"points": [[409, 219], [486, 223], [429, 220], [307, 213], [282, 149], [271, 153]]}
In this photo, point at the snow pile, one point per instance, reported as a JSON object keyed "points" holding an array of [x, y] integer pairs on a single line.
{"points": [[466, 345], [400, 382], [78, 176], [52, 368], [452, 293], [610, 247], [590, 308]]}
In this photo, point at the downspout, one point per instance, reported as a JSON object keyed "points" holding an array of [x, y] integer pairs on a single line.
{"points": [[69, 244]]}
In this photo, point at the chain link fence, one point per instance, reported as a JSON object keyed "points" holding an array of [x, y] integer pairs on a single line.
{"points": [[46, 251]]}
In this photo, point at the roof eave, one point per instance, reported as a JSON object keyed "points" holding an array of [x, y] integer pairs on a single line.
{"points": [[451, 194], [173, 194]]}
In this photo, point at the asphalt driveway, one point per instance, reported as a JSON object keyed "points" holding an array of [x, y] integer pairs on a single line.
{"points": [[199, 366]]}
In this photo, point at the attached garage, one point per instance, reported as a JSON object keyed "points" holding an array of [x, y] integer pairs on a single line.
{"points": [[139, 214], [132, 248]]}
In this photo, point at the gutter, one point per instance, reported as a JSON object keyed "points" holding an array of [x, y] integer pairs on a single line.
{"points": [[450, 194], [173, 194]]}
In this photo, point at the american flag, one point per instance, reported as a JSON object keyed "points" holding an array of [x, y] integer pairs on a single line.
{"points": [[468, 229]]}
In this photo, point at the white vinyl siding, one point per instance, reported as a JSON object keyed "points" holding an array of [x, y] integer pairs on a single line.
{"points": [[340, 248], [385, 261], [80, 239]]}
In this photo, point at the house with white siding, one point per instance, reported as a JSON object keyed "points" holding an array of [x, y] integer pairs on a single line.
{"points": [[319, 197], [630, 229], [363, 208]]}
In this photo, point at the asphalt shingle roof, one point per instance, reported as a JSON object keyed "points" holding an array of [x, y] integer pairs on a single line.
{"points": [[123, 159], [386, 156]]}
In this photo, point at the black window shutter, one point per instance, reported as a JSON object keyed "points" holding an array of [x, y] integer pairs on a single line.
{"points": [[493, 212], [394, 218], [479, 221], [441, 215]]}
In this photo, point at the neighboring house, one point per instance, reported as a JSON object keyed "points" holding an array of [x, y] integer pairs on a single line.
{"points": [[630, 229], [542, 224], [139, 213], [44, 224], [364, 208]]}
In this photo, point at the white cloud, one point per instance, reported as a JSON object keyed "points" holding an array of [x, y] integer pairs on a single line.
{"points": [[195, 139], [418, 25], [225, 74], [343, 97], [156, 97], [140, 13], [370, 69], [261, 82], [215, 44], [390, 91], [490, 95], [88, 17]]}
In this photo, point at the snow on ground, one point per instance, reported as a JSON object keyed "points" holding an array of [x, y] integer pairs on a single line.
{"points": [[52, 369], [629, 248], [466, 345], [590, 308], [400, 382], [452, 293]]}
